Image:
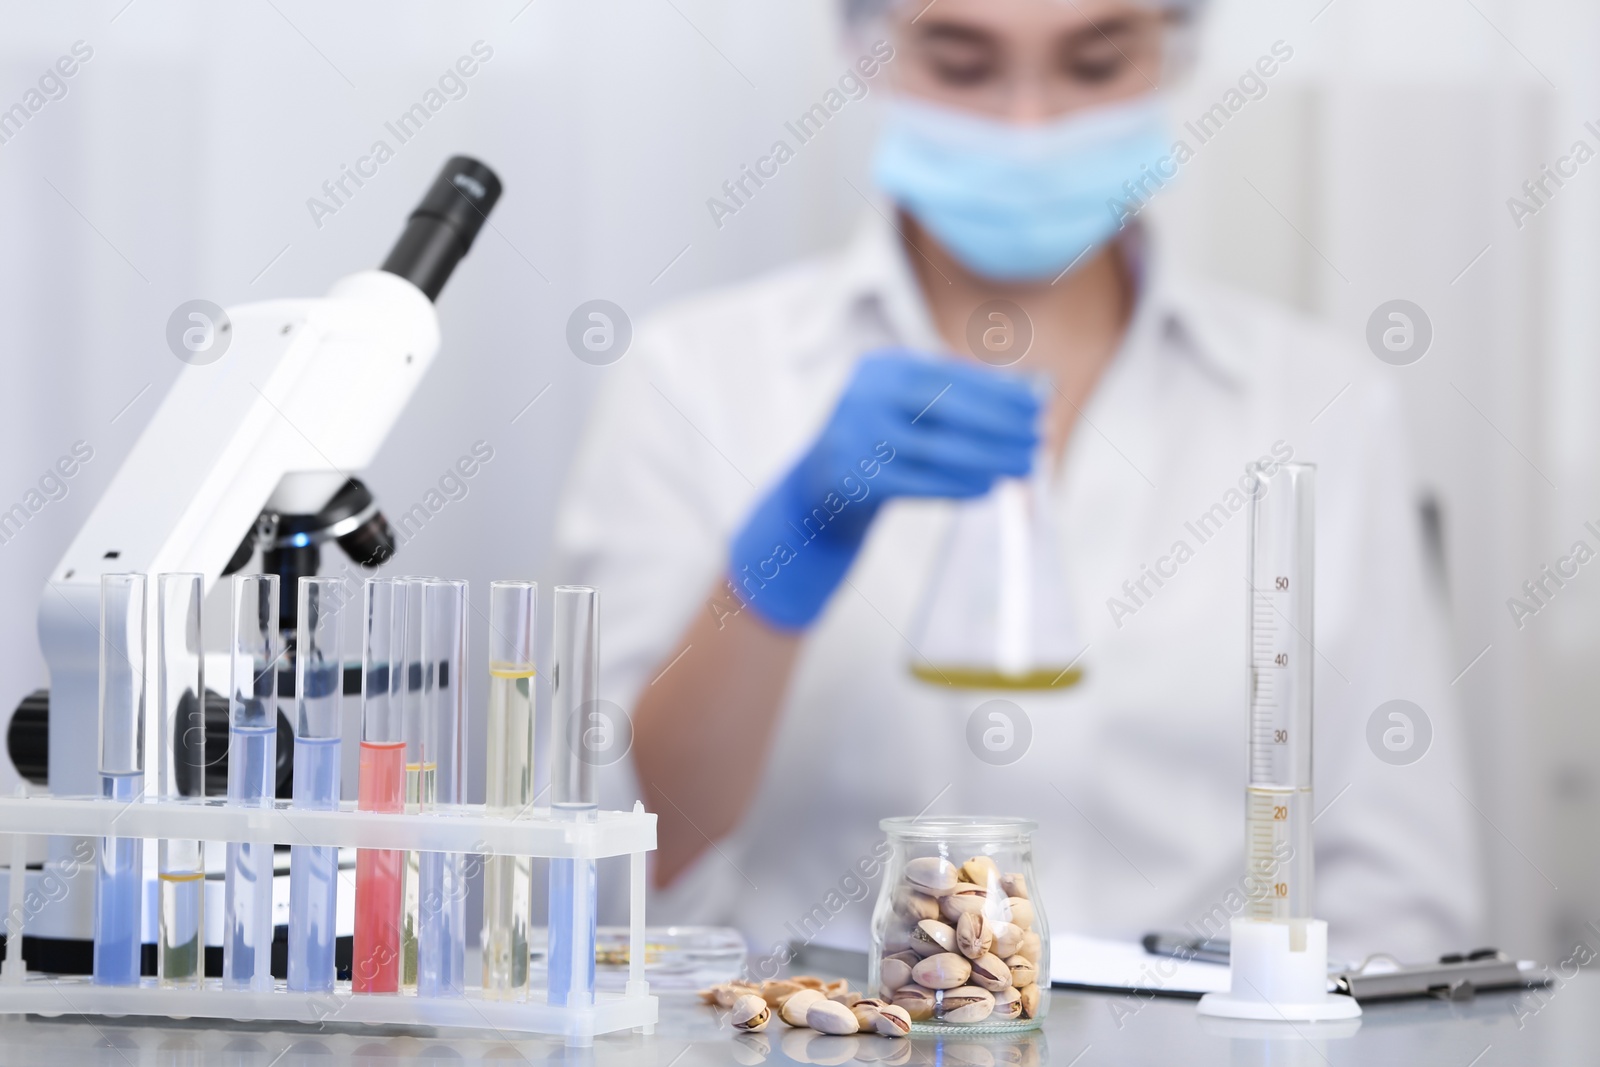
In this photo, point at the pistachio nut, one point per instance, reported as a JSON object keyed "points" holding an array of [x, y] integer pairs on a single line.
{"points": [[893, 973], [962, 899], [893, 1021], [835, 987], [931, 936], [1007, 938], [1014, 885], [933, 875], [1021, 911], [980, 870], [973, 935], [830, 1017], [794, 1008], [989, 972], [776, 990], [808, 981], [916, 1001], [968, 1004], [1031, 946], [1030, 1000], [725, 994], [1023, 970], [866, 1011], [945, 970], [848, 998], [749, 1012], [914, 905], [1007, 1003]]}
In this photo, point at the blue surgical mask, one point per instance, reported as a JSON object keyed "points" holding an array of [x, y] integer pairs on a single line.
{"points": [[1020, 203]]}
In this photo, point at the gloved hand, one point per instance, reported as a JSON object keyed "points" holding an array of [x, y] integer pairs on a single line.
{"points": [[907, 425]]}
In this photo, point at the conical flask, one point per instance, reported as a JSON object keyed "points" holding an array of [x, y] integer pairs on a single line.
{"points": [[995, 614]]}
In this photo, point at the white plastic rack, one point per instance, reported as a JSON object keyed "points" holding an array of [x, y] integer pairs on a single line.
{"points": [[467, 829]]}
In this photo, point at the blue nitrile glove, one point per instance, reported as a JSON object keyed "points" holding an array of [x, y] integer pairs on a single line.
{"points": [[907, 425]]}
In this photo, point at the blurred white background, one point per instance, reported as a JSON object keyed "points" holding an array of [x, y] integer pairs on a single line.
{"points": [[180, 161]]}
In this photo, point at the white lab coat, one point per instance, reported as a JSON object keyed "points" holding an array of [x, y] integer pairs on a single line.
{"points": [[1136, 775]]}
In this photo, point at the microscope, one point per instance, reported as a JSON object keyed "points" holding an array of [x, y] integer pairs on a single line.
{"points": [[257, 450]]}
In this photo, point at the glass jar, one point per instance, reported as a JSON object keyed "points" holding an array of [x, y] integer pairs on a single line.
{"points": [[959, 937]]}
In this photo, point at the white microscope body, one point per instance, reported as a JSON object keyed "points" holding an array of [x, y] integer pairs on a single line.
{"points": [[304, 396]]}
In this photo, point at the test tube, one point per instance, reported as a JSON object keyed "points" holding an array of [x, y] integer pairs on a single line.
{"points": [[574, 789], [1278, 797], [508, 785], [441, 949], [117, 940], [318, 693], [375, 966], [180, 697], [252, 774], [419, 771]]}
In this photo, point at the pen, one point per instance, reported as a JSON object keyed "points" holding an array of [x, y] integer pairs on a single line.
{"points": [[1207, 950]]}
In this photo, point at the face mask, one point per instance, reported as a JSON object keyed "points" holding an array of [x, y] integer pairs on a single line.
{"points": [[1020, 203]]}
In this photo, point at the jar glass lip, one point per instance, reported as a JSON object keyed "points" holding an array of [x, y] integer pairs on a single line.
{"points": [[937, 827]]}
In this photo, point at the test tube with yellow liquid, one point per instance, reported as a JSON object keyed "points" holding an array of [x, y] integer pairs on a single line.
{"points": [[508, 785]]}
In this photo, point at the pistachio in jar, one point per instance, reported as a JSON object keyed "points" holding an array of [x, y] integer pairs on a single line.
{"points": [[915, 1001], [946, 970], [931, 937], [932, 875], [966, 1005], [974, 935]]}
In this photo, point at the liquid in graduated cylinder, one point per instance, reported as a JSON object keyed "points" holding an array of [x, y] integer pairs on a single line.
{"points": [[508, 791]]}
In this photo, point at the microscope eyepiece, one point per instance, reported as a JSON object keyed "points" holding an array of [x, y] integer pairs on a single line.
{"points": [[443, 227]]}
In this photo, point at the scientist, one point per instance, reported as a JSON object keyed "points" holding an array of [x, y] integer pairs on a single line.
{"points": [[762, 652]]}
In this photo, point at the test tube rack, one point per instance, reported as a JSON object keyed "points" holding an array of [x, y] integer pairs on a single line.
{"points": [[466, 829]]}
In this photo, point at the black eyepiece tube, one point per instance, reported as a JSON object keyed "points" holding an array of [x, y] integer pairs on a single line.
{"points": [[443, 226]]}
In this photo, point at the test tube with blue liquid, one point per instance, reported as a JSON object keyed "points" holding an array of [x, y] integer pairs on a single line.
{"points": [[441, 930], [575, 718], [180, 702], [314, 869], [118, 885], [252, 765]]}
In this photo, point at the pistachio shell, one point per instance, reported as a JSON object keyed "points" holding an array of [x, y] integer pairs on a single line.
{"points": [[946, 970], [749, 1012], [980, 870], [831, 1017], [1030, 1000], [914, 905], [1023, 970], [1031, 946], [989, 972], [894, 973], [1007, 1003], [777, 990], [973, 935], [795, 1007], [964, 898], [836, 987], [915, 1000], [933, 875], [1007, 938], [808, 981], [892, 1021], [1014, 885], [1021, 911], [930, 936], [968, 1004]]}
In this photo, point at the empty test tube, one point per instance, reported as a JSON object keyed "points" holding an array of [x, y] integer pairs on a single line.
{"points": [[375, 966], [180, 702], [252, 776], [118, 892], [318, 693], [575, 716], [441, 934], [508, 785]]}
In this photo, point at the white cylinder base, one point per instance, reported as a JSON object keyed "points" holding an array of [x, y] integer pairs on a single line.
{"points": [[1273, 981]]}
